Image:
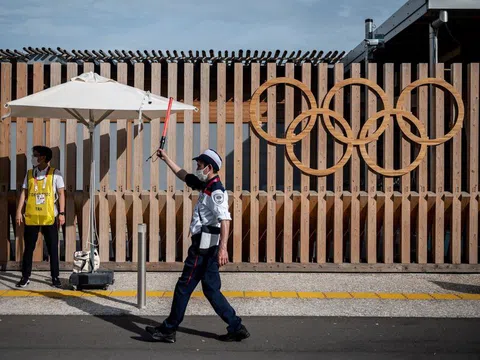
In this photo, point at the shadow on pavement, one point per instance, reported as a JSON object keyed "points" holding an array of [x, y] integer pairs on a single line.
{"points": [[462, 288], [13, 278], [120, 317]]}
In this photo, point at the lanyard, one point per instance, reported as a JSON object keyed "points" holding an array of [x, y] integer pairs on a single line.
{"points": [[35, 181], [213, 181]]}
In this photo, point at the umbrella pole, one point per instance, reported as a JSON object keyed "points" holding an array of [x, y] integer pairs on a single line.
{"points": [[91, 128]]}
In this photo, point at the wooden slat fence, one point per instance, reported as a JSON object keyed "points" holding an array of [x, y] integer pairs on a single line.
{"points": [[283, 220]]}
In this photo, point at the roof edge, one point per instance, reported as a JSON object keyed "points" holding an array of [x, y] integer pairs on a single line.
{"points": [[49, 55]]}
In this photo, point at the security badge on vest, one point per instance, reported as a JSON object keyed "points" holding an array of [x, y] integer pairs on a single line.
{"points": [[40, 208], [211, 208]]}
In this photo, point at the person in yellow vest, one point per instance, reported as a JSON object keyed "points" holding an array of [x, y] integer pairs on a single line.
{"points": [[42, 188]]}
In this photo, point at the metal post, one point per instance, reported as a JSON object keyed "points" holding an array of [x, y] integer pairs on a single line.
{"points": [[92, 194], [368, 36], [141, 266]]}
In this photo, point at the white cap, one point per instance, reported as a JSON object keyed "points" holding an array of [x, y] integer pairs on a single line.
{"points": [[211, 157]]}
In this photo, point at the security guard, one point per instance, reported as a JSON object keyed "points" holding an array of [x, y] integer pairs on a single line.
{"points": [[209, 228], [42, 186]]}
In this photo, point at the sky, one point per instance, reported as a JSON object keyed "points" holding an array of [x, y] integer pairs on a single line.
{"points": [[189, 24]]}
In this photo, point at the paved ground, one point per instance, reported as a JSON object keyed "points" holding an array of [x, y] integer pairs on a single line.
{"points": [[369, 295], [331, 282], [123, 337], [306, 316]]}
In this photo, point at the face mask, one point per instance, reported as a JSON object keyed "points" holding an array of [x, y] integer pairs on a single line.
{"points": [[203, 177], [35, 161]]}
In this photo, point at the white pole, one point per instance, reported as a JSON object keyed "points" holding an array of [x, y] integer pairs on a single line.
{"points": [[91, 128]]}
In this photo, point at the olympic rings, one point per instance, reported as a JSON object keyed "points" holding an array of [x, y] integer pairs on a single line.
{"points": [[256, 98], [399, 112], [460, 108], [359, 81], [319, 172], [391, 172]]}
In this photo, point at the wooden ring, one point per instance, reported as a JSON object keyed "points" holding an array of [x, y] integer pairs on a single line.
{"points": [[313, 113], [391, 172], [460, 110], [356, 81], [256, 121]]}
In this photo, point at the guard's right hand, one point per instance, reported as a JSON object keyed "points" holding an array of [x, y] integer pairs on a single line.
{"points": [[162, 154], [19, 219]]}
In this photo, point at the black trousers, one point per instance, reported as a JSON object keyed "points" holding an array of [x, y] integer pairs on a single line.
{"points": [[50, 232]]}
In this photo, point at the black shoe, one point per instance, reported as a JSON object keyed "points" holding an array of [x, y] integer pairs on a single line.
{"points": [[157, 334], [23, 282], [238, 335], [56, 282]]}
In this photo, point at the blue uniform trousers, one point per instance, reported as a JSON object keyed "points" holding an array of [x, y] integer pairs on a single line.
{"points": [[200, 267]]}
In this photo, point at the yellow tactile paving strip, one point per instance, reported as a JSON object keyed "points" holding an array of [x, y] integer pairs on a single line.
{"points": [[245, 294]]}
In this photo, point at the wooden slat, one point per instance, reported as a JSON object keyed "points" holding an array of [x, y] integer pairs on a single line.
{"points": [[472, 161], [388, 223], [288, 204], [221, 121], [237, 169], [254, 174], [456, 174], [5, 96], [87, 67], [322, 164], [22, 152], [171, 179], [137, 165], [38, 85], [355, 171], [104, 218], [338, 182], [221, 115], [120, 213], [271, 165], [54, 136], [204, 106], [154, 221], [372, 176], [53, 129], [305, 179], [187, 156], [38, 139], [422, 223], [439, 165], [129, 157], [70, 177], [405, 80]]}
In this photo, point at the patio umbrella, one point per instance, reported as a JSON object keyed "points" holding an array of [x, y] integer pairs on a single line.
{"points": [[91, 98]]}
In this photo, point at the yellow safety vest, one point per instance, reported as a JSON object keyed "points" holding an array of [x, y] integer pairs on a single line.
{"points": [[40, 208]]}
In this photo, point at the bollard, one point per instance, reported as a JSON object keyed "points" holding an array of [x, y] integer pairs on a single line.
{"points": [[141, 267]]}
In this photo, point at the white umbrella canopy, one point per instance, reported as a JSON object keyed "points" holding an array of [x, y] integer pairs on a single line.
{"points": [[93, 97]]}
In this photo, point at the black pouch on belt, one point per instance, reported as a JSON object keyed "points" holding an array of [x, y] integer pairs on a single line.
{"points": [[210, 237]]}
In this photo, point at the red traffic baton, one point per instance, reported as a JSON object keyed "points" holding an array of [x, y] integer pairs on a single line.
{"points": [[165, 127]]}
